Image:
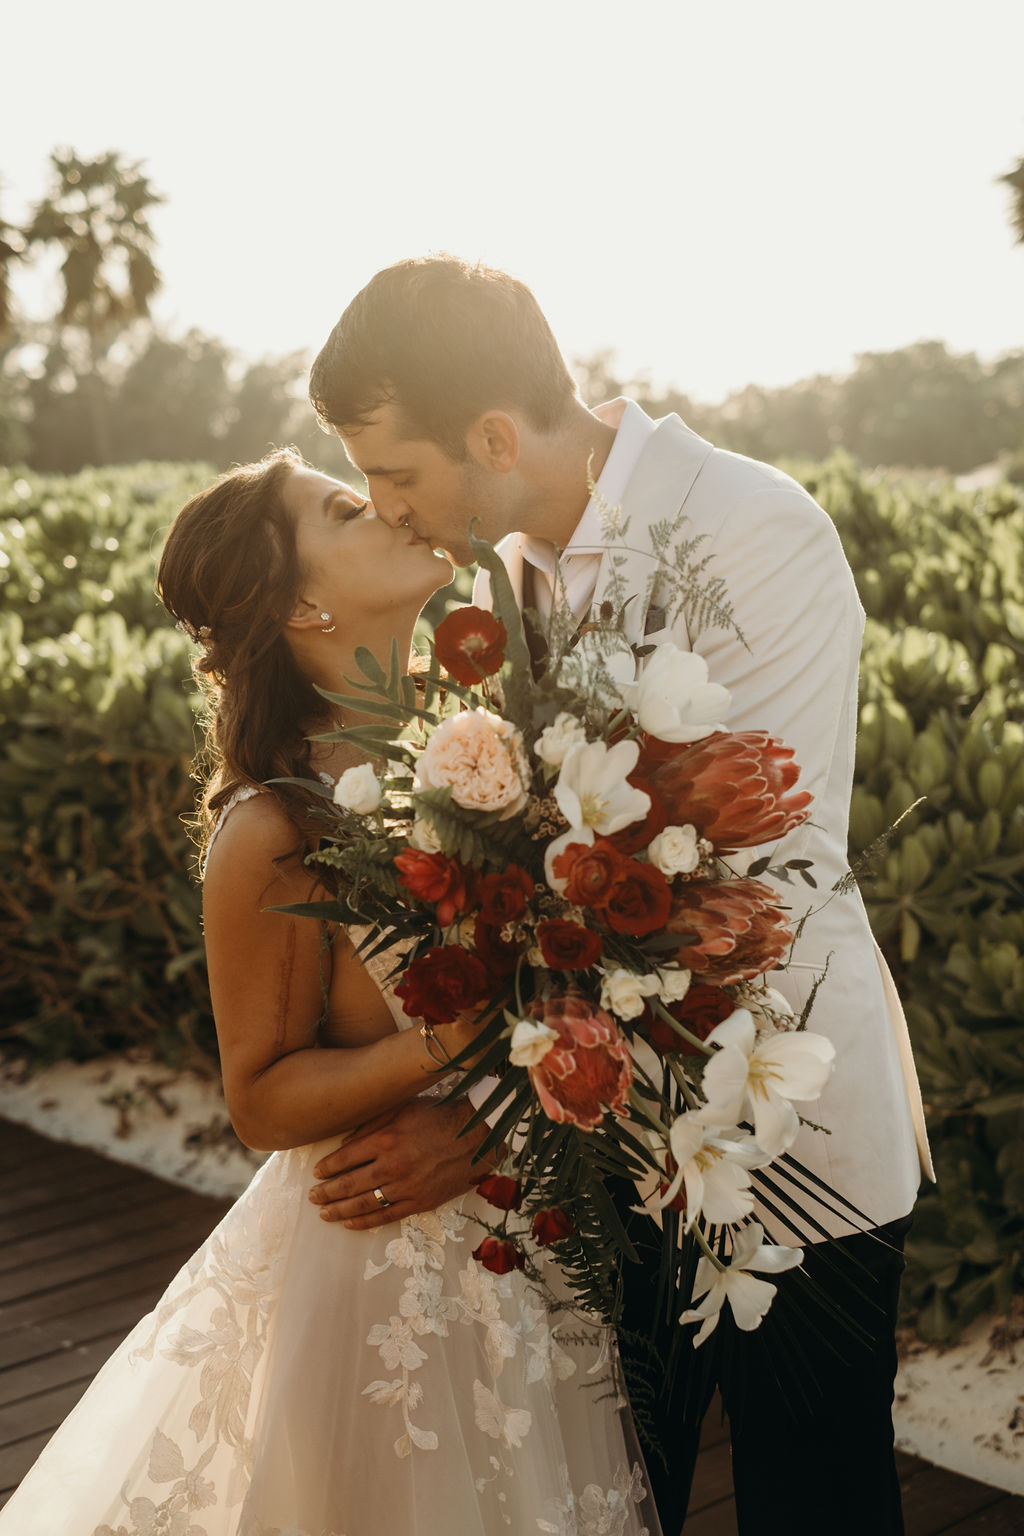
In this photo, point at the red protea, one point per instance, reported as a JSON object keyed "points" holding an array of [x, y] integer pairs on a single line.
{"points": [[588, 1069], [734, 787], [732, 930]]}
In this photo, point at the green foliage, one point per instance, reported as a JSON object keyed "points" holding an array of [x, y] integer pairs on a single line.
{"points": [[99, 910], [941, 576], [99, 907]]}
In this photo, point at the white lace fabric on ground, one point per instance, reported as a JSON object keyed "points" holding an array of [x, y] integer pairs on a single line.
{"points": [[299, 1379]]}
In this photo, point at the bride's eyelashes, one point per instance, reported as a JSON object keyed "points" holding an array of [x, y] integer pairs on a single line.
{"points": [[347, 513]]}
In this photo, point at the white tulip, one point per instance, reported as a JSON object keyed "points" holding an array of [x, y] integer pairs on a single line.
{"points": [[592, 790], [744, 1080], [714, 1163], [675, 701], [358, 790], [749, 1298]]}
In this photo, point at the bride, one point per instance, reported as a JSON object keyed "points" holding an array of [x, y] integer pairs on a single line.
{"points": [[299, 1378]]}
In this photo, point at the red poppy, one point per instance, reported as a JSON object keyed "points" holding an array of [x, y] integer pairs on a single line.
{"points": [[470, 644], [505, 1193], [503, 896], [735, 788], [435, 878], [443, 983], [639, 901], [552, 1226], [499, 1255], [568, 946], [699, 1011], [731, 930], [589, 1068]]}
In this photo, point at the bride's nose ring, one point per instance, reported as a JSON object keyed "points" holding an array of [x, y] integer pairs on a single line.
{"points": [[381, 1198]]}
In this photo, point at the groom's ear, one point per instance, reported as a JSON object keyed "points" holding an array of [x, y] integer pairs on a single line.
{"points": [[493, 441]]}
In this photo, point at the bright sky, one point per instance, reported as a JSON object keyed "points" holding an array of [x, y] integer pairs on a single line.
{"points": [[723, 192]]}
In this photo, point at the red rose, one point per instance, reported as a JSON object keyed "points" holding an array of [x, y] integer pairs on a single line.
{"points": [[499, 1255], [699, 1011], [505, 1193], [498, 955], [589, 1069], [503, 896], [433, 877], [730, 930], [639, 901], [589, 871], [734, 787], [639, 833], [568, 946], [443, 983], [470, 644], [551, 1226]]}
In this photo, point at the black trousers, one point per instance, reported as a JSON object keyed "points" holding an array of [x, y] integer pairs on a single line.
{"points": [[808, 1394]]}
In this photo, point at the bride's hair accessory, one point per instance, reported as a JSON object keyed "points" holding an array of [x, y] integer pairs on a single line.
{"points": [[326, 620], [199, 634], [381, 1198]]}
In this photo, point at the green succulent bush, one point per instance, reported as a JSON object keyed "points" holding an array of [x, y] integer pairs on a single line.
{"points": [[99, 908]]}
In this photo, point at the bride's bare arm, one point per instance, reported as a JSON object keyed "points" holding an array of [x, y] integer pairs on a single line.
{"points": [[282, 1089]]}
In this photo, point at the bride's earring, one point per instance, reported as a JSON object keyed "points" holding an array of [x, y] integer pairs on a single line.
{"points": [[324, 630]]}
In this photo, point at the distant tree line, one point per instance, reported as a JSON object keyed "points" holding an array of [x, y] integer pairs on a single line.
{"points": [[98, 383]]}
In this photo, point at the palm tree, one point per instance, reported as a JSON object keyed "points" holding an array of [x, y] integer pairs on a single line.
{"points": [[1015, 180], [96, 216]]}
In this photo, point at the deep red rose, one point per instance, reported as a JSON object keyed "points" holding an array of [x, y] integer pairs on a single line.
{"points": [[734, 787], [434, 877], [568, 946], [498, 955], [731, 930], [639, 901], [503, 896], [639, 833], [505, 1193], [470, 644], [699, 1011], [589, 871], [552, 1226], [443, 983], [589, 1069], [499, 1255]]}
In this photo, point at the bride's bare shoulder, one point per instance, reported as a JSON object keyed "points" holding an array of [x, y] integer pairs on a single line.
{"points": [[254, 839]]}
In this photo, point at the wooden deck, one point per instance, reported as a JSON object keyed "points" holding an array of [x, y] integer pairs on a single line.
{"points": [[87, 1246]]}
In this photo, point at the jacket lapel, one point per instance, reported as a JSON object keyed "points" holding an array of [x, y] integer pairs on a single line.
{"points": [[656, 493]]}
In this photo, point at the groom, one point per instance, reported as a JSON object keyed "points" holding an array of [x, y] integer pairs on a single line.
{"points": [[448, 389]]}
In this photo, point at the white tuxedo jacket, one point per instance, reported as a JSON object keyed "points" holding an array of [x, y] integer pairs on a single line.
{"points": [[795, 601]]}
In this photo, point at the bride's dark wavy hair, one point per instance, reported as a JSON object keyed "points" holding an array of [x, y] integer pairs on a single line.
{"points": [[230, 575]]}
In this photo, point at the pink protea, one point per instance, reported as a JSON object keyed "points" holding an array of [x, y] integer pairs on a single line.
{"points": [[732, 930], [734, 787], [588, 1068]]}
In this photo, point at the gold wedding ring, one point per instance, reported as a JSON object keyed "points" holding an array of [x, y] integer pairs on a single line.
{"points": [[381, 1198]]}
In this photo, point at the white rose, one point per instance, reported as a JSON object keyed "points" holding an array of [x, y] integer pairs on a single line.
{"points": [[530, 1043], [675, 701], [556, 739], [673, 985], [674, 851], [623, 992], [480, 756], [423, 836], [358, 790]]}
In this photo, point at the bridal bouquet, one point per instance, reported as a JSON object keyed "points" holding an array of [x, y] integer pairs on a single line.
{"points": [[550, 845]]}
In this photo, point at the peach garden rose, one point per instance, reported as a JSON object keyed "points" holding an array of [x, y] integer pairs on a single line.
{"points": [[480, 756]]}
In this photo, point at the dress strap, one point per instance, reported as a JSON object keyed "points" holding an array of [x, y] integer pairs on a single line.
{"points": [[245, 792]]}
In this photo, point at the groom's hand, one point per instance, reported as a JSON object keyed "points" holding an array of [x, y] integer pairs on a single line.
{"points": [[414, 1156]]}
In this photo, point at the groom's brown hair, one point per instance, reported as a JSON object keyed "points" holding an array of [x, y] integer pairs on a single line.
{"points": [[443, 340]]}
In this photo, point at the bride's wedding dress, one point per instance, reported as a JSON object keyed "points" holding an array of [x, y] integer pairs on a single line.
{"points": [[300, 1379]]}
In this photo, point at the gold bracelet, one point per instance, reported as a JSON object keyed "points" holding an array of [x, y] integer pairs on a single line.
{"points": [[433, 1045]]}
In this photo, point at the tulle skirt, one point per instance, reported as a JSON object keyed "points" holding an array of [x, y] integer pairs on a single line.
{"points": [[299, 1379]]}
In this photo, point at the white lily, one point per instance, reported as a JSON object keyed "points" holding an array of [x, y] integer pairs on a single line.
{"points": [[675, 701], [592, 790], [749, 1298], [744, 1080], [713, 1162]]}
